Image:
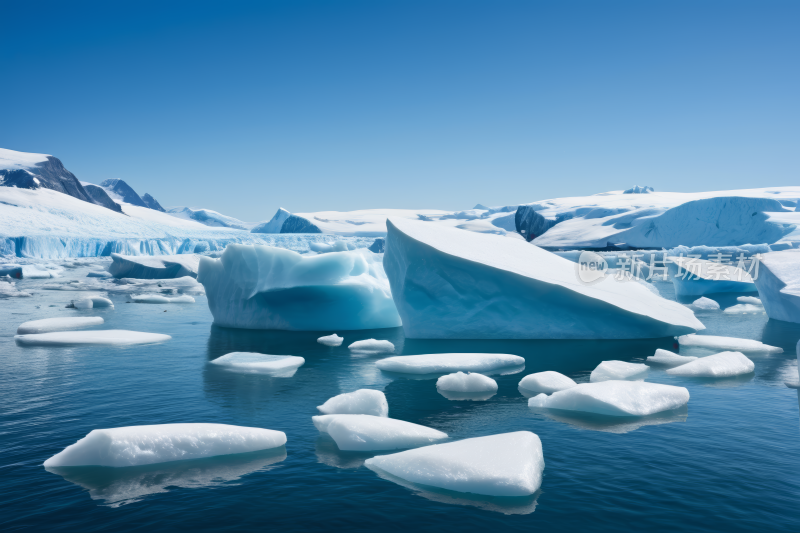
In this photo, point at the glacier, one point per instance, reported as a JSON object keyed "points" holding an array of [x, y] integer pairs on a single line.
{"points": [[456, 284], [778, 284]]}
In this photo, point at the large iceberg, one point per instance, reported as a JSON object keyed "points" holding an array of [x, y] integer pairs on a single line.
{"points": [[145, 445], [438, 363], [456, 284], [778, 284], [615, 398], [260, 287], [360, 402], [46, 325], [733, 344], [365, 433], [720, 365], [509, 464]]}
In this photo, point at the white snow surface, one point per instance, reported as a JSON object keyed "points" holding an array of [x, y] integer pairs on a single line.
{"points": [[145, 445], [109, 337], [508, 464], [618, 370], [665, 357], [331, 340], [547, 382], [13, 160], [438, 363], [778, 284], [259, 363], [615, 398], [46, 325], [456, 284], [208, 217], [364, 433], [727, 343], [721, 365], [360, 402], [371, 346], [469, 382], [706, 304]]}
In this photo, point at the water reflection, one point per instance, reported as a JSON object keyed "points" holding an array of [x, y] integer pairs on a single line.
{"points": [[120, 486], [613, 424], [460, 396], [328, 453]]}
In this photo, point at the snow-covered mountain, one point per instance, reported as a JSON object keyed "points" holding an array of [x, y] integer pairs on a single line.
{"points": [[209, 218]]}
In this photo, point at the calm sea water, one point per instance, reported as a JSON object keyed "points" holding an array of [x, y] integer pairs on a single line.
{"points": [[730, 462]]}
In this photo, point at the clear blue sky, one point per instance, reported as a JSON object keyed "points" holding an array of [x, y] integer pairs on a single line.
{"points": [[243, 107]]}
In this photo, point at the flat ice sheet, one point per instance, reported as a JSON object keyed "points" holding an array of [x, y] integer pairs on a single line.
{"points": [[259, 363], [721, 365], [374, 433], [469, 382], [727, 343], [608, 370], [615, 398], [109, 337], [46, 325], [449, 362]]}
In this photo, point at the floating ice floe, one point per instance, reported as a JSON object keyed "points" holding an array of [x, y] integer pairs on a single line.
{"points": [[547, 382], [161, 299], [145, 445], [365, 433], [749, 300], [695, 277], [449, 283], [260, 287], [154, 266], [85, 303], [721, 365], [9, 290], [332, 340], [46, 325], [615, 398], [509, 464], [110, 337], [99, 275], [739, 309], [91, 302], [732, 344], [371, 346], [259, 363], [608, 370], [441, 363], [469, 382], [706, 304], [360, 402], [664, 357], [778, 285]]}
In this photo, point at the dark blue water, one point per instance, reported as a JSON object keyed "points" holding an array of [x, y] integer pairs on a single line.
{"points": [[731, 462]]}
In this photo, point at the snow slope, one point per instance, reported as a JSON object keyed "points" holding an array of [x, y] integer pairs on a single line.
{"points": [[208, 217]]}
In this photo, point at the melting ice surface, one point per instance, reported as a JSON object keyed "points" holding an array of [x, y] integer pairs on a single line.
{"points": [[360, 402], [374, 433], [721, 365], [615, 398], [46, 325], [274, 365]]}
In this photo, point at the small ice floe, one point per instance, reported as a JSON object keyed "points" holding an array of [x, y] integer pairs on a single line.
{"points": [[441, 363], [85, 303], [109, 337], [366, 433], [102, 274], [46, 325], [721, 365], [547, 382], [333, 340], [371, 346], [90, 303], [740, 309], [9, 290], [615, 398], [259, 363], [750, 300], [509, 464], [664, 357], [360, 402], [608, 370], [161, 299], [732, 344], [469, 382], [145, 445], [706, 304]]}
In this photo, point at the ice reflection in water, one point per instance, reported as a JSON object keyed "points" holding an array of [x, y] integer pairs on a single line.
{"points": [[613, 424]]}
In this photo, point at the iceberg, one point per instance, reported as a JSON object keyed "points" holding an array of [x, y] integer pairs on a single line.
{"points": [[331, 340], [366, 433], [146, 445], [664, 357], [778, 284], [46, 325], [456, 284], [260, 287], [469, 382], [371, 346], [509, 464], [547, 382], [696, 277], [360, 402], [749, 300], [154, 267], [107, 337], [85, 303], [615, 398], [706, 304], [618, 370], [446, 363], [732, 344], [161, 299], [259, 363], [721, 365]]}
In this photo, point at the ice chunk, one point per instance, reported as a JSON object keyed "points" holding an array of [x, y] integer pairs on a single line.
{"points": [[664, 357], [615, 398], [778, 283], [721, 365], [146, 445], [85, 303], [547, 382], [99, 301], [259, 363], [259, 287], [111, 337], [696, 277], [469, 382], [608, 370], [9, 290], [365, 433], [449, 283], [332, 340], [744, 308], [12, 271], [509, 464], [440, 363], [46, 325], [749, 300], [707, 304], [360, 402], [154, 266], [727, 343], [99, 275], [161, 299], [372, 346]]}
